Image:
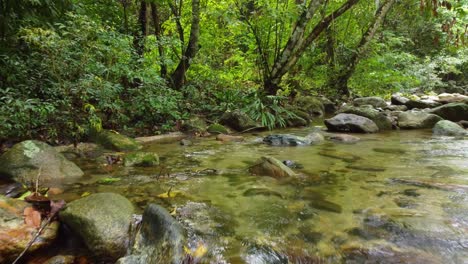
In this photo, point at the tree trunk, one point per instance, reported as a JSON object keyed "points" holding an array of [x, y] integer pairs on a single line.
{"points": [[139, 39], [158, 33], [178, 76], [298, 43], [341, 81]]}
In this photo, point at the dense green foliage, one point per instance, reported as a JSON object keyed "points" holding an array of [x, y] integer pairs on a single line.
{"points": [[68, 67]]}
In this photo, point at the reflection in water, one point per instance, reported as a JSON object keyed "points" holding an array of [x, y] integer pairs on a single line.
{"points": [[397, 197]]}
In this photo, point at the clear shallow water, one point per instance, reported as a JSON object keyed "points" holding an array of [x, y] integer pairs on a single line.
{"points": [[396, 196]]}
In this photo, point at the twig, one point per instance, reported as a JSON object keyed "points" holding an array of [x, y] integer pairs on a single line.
{"points": [[248, 129], [55, 209]]}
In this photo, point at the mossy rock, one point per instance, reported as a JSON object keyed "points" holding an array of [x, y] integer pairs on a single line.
{"points": [[269, 166], [454, 111], [194, 124], [25, 160], [237, 120], [217, 129], [141, 159], [115, 141], [379, 118], [310, 105], [301, 118], [448, 128], [102, 221]]}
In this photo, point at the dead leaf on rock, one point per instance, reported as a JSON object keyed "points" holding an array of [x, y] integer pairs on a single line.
{"points": [[32, 217]]}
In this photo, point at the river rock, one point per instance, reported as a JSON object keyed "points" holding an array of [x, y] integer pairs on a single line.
{"points": [[15, 234], [344, 156], [161, 239], [269, 166], [400, 108], [286, 140], [448, 128], [454, 111], [328, 105], [421, 103], [399, 99], [463, 123], [217, 129], [298, 119], [24, 160], [343, 138], [379, 118], [102, 221], [452, 98], [310, 105], [414, 120], [229, 138], [351, 123], [194, 124], [237, 120], [375, 101], [141, 159], [115, 141]]}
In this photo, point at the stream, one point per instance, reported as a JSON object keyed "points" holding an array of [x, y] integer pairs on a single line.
{"points": [[393, 197]]}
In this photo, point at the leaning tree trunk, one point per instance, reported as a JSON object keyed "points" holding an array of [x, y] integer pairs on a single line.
{"points": [[298, 43], [178, 76], [340, 82]]}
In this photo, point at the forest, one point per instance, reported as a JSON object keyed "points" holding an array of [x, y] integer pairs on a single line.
{"points": [[146, 66], [233, 131]]}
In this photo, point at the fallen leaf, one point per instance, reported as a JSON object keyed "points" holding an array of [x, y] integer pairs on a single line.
{"points": [[200, 251], [32, 217], [170, 194]]}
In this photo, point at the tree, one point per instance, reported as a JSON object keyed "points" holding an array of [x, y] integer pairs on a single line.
{"points": [[339, 82], [275, 65]]}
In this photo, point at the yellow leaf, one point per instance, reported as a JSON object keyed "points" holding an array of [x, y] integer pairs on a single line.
{"points": [[174, 211], [170, 194], [200, 251], [85, 194]]}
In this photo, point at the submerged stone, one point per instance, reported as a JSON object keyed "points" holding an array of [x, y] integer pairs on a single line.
{"points": [[344, 156], [269, 166], [141, 159], [261, 191], [365, 167], [389, 150], [326, 205]]}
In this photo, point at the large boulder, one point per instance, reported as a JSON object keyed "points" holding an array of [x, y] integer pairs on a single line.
{"points": [[310, 105], [237, 120], [375, 101], [25, 160], [115, 141], [379, 118], [298, 119], [448, 128], [454, 111], [399, 99], [141, 159], [269, 166], [102, 221], [351, 123], [328, 105], [161, 239], [413, 120], [15, 232]]}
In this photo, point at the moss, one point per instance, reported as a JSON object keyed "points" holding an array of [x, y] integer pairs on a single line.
{"points": [[217, 129], [310, 105], [141, 159], [115, 141]]}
